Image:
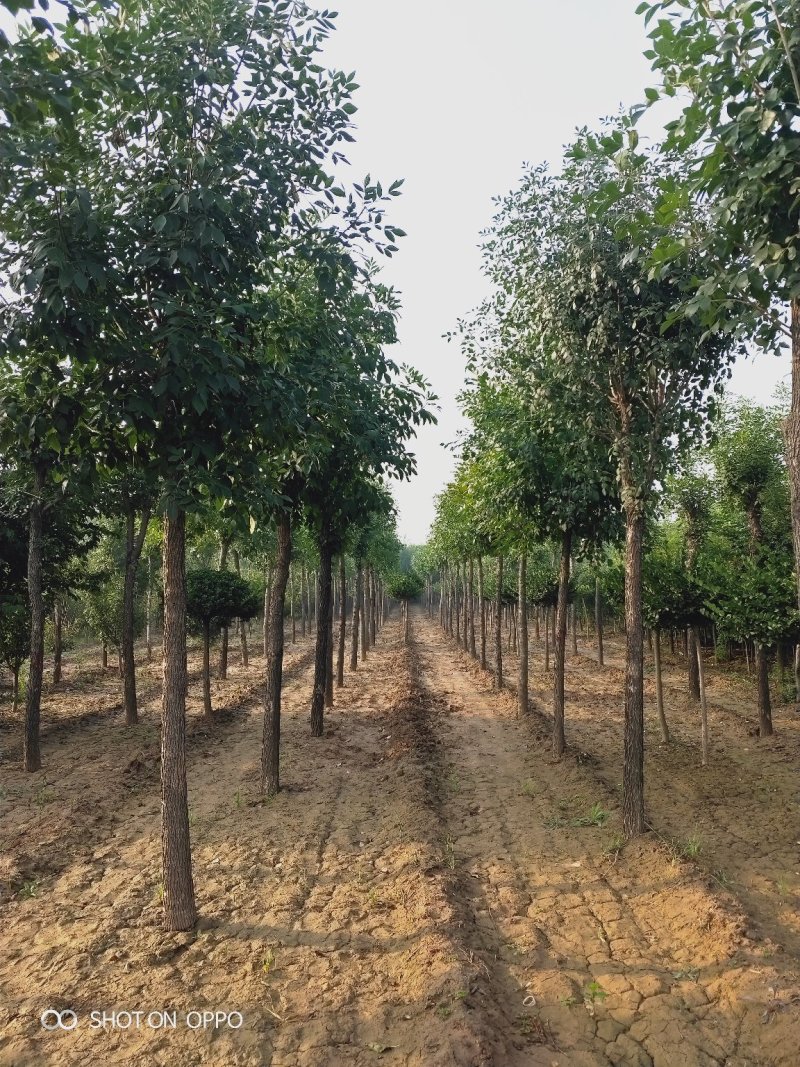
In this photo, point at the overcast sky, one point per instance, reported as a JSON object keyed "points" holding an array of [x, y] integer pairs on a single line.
{"points": [[454, 98]]}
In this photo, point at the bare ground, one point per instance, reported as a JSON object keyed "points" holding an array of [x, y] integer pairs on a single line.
{"points": [[429, 890]]}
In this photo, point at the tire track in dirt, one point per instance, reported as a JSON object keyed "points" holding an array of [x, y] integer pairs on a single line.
{"points": [[630, 963]]}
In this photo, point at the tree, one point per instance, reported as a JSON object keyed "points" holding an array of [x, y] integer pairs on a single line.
{"points": [[737, 65], [217, 598], [573, 266], [405, 588]]}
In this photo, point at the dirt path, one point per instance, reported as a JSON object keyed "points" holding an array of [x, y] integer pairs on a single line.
{"points": [[420, 876], [629, 962]]}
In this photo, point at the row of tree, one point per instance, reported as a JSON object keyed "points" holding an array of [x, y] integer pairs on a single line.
{"points": [[624, 287], [192, 323]]}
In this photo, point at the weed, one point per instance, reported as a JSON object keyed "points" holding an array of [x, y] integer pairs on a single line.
{"points": [[160, 892], [450, 853], [597, 816], [594, 991], [238, 798], [462, 994], [528, 788], [268, 963], [444, 1011], [569, 1002], [43, 796], [724, 879], [614, 846], [783, 886], [690, 974], [692, 847], [525, 1025], [454, 783], [29, 889], [374, 899]]}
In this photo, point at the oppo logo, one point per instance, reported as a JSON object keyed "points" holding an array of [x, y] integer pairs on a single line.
{"points": [[59, 1020]]}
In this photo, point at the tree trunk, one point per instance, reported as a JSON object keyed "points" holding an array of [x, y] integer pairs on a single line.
{"points": [[764, 702], [329, 664], [271, 741], [134, 542], [662, 719], [356, 617], [363, 612], [698, 646], [406, 624], [242, 624], [15, 697], [598, 620], [33, 702], [546, 638], [498, 632], [692, 653], [303, 599], [291, 603], [472, 608], [342, 623], [149, 609], [633, 816], [792, 436], [176, 852], [560, 649], [207, 709], [323, 634], [483, 612], [522, 691], [224, 546], [267, 602], [57, 640], [104, 656], [574, 610]]}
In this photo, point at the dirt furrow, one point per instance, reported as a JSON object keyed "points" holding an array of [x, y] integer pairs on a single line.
{"points": [[629, 958]]}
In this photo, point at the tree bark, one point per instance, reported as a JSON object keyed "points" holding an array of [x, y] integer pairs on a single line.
{"points": [[291, 603], [482, 606], [57, 640], [598, 620], [33, 702], [692, 653], [207, 709], [329, 664], [633, 815], [134, 542], [149, 609], [522, 691], [176, 853], [498, 632], [342, 622], [472, 608], [323, 633], [662, 719], [224, 546], [764, 702], [267, 601], [698, 646], [271, 741], [363, 612], [560, 649], [237, 566], [356, 617], [792, 437]]}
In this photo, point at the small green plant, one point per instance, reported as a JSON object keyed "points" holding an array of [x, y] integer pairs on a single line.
{"points": [[569, 1002], [43, 796], [450, 853], [268, 963], [597, 816], [614, 846], [594, 991], [723, 878], [783, 886], [29, 889], [238, 798], [374, 898], [444, 1011], [462, 994], [528, 787], [692, 847], [454, 783], [160, 892], [690, 974]]}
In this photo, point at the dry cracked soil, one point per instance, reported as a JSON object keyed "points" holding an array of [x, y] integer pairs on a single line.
{"points": [[430, 888]]}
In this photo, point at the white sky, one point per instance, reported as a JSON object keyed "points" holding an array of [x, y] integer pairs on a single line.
{"points": [[454, 97]]}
